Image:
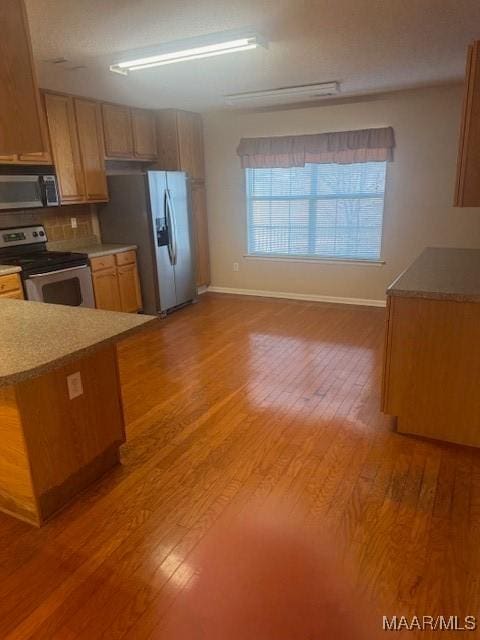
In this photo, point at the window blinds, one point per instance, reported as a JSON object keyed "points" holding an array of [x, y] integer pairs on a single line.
{"points": [[319, 210]]}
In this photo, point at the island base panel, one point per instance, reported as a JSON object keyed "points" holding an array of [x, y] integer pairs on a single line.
{"points": [[432, 368], [52, 447]]}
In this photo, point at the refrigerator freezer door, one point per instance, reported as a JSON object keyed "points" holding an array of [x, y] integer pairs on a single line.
{"points": [[178, 205], [163, 237]]}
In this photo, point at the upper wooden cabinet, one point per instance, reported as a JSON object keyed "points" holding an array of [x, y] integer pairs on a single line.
{"points": [[65, 147], [180, 142], [117, 127], [144, 134], [467, 192], [90, 135], [20, 122], [40, 157], [130, 134], [76, 136]]}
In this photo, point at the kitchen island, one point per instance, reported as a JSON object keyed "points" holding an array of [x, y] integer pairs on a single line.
{"points": [[432, 348], [61, 417]]}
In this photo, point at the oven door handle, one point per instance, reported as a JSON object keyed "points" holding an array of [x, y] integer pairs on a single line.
{"points": [[51, 273]]}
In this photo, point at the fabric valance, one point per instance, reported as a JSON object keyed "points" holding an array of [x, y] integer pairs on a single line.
{"points": [[340, 147]]}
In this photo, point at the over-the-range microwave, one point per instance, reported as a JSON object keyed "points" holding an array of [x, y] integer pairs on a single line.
{"points": [[28, 188]]}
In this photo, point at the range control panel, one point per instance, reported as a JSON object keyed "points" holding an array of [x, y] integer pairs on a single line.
{"points": [[15, 237]]}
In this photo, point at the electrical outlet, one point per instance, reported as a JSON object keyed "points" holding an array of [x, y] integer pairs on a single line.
{"points": [[236, 266], [74, 385], [73, 222]]}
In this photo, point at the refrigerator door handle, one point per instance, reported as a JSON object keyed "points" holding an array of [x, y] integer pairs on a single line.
{"points": [[170, 228], [172, 225]]}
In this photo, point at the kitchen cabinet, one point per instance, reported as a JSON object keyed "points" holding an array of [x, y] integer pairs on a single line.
{"points": [[65, 147], [116, 283], [11, 286], [117, 127], [144, 134], [199, 212], [432, 347], [90, 134], [130, 134], [13, 295], [180, 148], [40, 157], [129, 287], [106, 288], [76, 136], [180, 142], [467, 192], [20, 128]]}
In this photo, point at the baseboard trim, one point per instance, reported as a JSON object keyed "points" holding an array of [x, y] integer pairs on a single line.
{"points": [[202, 289], [365, 302]]}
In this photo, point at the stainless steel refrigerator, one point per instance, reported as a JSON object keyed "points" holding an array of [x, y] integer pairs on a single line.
{"points": [[153, 211]]}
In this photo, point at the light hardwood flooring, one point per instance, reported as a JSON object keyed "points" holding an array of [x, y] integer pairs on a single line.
{"points": [[235, 401]]}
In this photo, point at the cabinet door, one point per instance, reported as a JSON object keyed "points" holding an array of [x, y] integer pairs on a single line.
{"points": [[129, 286], [117, 127], [190, 144], [42, 157], [467, 193], [90, 136], [144, 134], [199, 210], [7, 159], [20, 126], [65, 147], [167, 140], [105, 286]]}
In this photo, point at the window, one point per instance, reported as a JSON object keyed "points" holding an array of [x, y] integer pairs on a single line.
{"points": [[319, 210]]}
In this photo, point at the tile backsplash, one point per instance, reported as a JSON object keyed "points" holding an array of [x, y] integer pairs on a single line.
{"points": [[57, 221]]}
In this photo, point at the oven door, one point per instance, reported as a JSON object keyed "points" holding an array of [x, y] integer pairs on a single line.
{"points": [[71, 286], [20, 192]]}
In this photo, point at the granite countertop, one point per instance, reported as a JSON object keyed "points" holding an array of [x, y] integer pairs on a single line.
{"points": [[6, 270], [38, 337], [91, 247], [441, 274], [98, 250]]}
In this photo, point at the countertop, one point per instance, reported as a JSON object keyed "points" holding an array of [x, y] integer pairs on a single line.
{"points": [[441, 274], [38, 337], [98, 250], [6, 270], [90, 247]]}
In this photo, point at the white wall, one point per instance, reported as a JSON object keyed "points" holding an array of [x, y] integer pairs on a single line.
{"points": [[420, 185]]}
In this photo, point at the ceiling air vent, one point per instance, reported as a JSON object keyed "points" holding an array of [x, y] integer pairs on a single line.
{"points": [[283, 95]]}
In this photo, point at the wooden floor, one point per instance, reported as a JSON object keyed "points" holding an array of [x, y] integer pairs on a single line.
{"points": [[236, 401]]}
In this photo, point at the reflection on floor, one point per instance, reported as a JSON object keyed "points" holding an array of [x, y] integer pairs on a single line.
{"points": [[238, 404]]}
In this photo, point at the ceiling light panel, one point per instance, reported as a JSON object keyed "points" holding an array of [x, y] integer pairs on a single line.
{"points": [[214, 45], [283, 95]]}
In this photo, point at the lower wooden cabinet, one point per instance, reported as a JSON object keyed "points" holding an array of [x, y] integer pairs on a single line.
{"points": [[116, 283], [129, 288], [11, 286], [106, 288]]}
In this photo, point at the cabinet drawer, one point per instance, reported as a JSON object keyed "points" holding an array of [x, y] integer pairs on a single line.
{"points": [[105, 262], [126, 257], [10, 283], [13, 295]]}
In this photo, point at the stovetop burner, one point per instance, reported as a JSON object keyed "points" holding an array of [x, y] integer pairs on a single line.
{"points": [[26, 247]]}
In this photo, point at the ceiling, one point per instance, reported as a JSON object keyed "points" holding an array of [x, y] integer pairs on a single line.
{"points": [[367, 45]]}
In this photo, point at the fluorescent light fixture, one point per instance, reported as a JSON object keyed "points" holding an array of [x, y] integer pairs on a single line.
{"points": [[186, 53], [283, 95]]}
